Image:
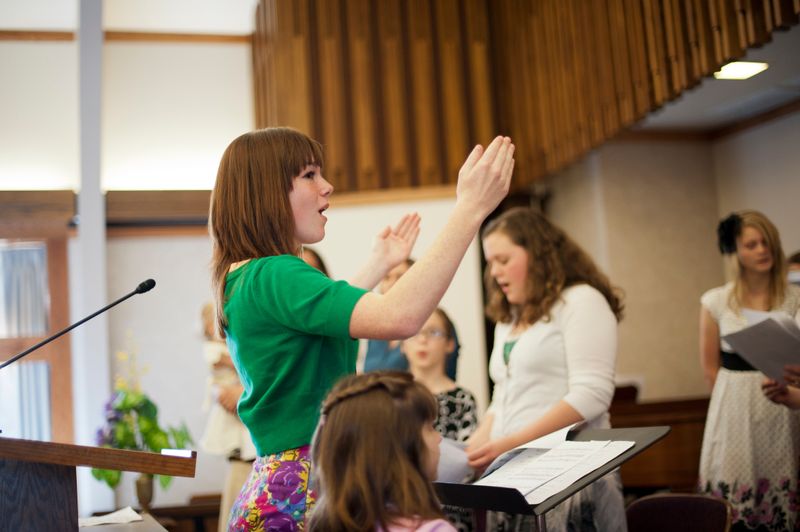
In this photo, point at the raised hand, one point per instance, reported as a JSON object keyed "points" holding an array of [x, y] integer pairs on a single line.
{"points": [[393, 246], [485, 176]]}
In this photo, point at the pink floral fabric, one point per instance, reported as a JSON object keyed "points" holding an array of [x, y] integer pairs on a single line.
{"points": [[276, 497]]}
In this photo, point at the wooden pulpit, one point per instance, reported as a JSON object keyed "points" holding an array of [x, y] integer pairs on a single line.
{"points": [[38, 487]]}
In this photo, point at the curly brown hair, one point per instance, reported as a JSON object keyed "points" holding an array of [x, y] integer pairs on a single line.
{"points": [[369, 454], [559, 263]]}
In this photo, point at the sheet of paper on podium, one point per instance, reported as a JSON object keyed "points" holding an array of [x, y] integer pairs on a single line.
{"points": [[539, 473], [771, 341]]}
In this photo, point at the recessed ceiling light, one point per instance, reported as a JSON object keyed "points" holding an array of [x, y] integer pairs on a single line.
{"points": [[740, 70]]}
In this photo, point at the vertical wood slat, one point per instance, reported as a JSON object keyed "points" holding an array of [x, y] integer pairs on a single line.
{"points": [[678, 57], [611, 122], [335, 131], [426, 124], [784, 13], [653, 53], [452, 85], [594, 100], [556, 94], [358, 15], [559, 76], [579, 76], [480, 71], [621, 61], [393, 100], [638, 49], [759, 22]]}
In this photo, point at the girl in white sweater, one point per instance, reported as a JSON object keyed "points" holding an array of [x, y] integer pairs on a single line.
{"points": [[553, 358]]}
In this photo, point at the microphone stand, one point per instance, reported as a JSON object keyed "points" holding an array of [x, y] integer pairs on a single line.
{"points": [[142, 288]]}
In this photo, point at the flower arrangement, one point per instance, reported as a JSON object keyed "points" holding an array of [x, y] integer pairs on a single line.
{"points": [[132, 422]]}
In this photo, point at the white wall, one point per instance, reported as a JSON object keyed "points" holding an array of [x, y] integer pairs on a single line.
{"points": [[646, 212], [760, 169], [170, 110]]}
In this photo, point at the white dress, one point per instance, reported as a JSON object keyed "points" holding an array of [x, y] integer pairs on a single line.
{"points": [[570, 357], [750, 445], [224, 432]]}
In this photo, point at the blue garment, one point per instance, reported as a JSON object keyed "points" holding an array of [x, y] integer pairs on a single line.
{"points": [[379, 356]]}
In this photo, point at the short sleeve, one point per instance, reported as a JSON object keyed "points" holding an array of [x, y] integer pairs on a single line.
{"points": [[714, 302], [302, 298]]}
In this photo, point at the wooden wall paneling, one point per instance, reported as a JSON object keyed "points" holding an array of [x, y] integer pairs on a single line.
{"points": [[759, 22], [654, 52], [296, 101], [393, 101], [480, 72], [621, 57], [579, 76], [766, 8], [58, 353], [362, 94], [744, 21], [569, 93], [517, 105], [548, 93], [716, 32], [336, 133], [452, 85], [705, 36], [695, 69], [637, 47], [678, 59], [527, 71], [426, 122], [784, 13], [592, 90], [797, 7], [727, 23], [257, 58], [555, 73], [270, 79], [603, 53]]}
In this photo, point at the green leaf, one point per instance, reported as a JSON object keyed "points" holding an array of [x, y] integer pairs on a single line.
{"points": [[108, 476], [164, 481], [156, 440], [125, 435], [148, 408]]}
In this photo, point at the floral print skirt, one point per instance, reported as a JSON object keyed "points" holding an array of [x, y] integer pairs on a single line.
{"points": [[750, 453], [276, 497]]}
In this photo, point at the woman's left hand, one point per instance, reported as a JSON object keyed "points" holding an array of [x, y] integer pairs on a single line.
{"points": [[480, 457], [393, 246]]}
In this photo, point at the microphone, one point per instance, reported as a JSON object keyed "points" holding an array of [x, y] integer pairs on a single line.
{"points": [[144, 286]]}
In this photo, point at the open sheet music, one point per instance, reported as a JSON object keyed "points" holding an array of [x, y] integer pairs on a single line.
{"points": [[771, 341], [541, 468]]}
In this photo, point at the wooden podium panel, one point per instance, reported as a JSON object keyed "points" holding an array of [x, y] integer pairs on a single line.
{"points": [[38, 487]]}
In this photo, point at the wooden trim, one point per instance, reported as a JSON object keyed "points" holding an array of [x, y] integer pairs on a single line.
{"points": [[133, 231], [662, 135], [36, 35], [101, 457], [755, 121], [146, 36], [157, 207], [129, 36]]}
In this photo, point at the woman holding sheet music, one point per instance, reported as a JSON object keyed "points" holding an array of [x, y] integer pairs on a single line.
{"points": [[751, 446], [553, 358]]}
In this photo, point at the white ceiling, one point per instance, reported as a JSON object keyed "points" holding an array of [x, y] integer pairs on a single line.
{"points": [[716, 103]]}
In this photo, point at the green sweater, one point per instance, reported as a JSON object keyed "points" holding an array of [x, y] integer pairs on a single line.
{"points": [[289, 337]]}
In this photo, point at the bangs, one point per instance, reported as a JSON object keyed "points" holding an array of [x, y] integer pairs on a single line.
{"points": [[300, 151]]}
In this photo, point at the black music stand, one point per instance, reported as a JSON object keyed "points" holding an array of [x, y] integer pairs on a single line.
{"points": [[511, 501]]}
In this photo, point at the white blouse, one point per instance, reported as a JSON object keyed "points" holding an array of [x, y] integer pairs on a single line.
{"points": [[729, 321], [570, 357]]}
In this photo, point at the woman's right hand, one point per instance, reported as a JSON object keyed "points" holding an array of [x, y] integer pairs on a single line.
{"points": [[485, 176]]}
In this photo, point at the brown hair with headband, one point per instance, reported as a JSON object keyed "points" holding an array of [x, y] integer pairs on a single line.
{"points": [[369, 454]]}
